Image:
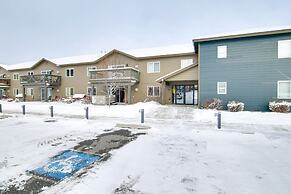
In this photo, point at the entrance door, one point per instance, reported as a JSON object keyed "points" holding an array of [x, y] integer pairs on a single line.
{"points": [[184, 94], [49, 93], [2, 93], [119, 95]]}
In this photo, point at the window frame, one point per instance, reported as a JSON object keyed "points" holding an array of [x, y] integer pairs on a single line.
{"points": [[89, 93], [68, 90], [220, 53], [280, 56], [153, 66], [16, 93], [88, 70], [70, 71], [46, 72], [29, 91], [153, 88], [219, 87], [15, 74], [30, 73], [278, 89], [186, 62]]}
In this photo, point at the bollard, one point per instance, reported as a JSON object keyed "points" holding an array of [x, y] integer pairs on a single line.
{"points": [[23, 109], [52, 111], [141, 115], [219, 120], [87, 112], [0, 108]]}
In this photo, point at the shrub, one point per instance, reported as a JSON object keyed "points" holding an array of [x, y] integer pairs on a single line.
{"points": [[235, 106], [214, 103], [279, 106]]}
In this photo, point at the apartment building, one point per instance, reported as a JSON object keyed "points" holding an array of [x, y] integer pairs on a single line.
{"points": [[252, 67], [168, 75]]}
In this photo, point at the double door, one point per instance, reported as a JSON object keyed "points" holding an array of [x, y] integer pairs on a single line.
{"points": [[185, 94]]}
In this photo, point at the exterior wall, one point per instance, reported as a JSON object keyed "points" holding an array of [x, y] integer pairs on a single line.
{"points": [[251, 70], [190, 74]]}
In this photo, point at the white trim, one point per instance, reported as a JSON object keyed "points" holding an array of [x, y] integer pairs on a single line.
{"points": [[219, 87], [278, 88], [149, 70], [89, 70], [29, 91], [14, 91], [284, 49], [68, 91], [222, 51], [153, 91], [70, 72], [46, 72]]}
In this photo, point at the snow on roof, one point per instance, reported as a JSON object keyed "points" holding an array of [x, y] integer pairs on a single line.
{"points": [[146, 52], [242, 33]]}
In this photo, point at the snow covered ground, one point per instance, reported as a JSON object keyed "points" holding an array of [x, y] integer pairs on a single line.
{"points": [[183, 152]]}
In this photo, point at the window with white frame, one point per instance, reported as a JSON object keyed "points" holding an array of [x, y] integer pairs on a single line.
{"points": [[70, 72], [153, 91], [186, 62], [30, 73], [222, 52], [89, 69], [15, 91], [46, 72], [221, 87], [91, 91], [29, 91], [117, 66], [69, 91], [153, 67], [284, 89], [15, 76], [284, 49]]}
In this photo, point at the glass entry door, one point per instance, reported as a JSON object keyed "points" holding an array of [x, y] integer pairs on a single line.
{"points": [[185, 94]]}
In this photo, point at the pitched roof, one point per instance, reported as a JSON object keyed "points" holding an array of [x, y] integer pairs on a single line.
{"points": [[137, 53], [176, 72], [245, 33]]}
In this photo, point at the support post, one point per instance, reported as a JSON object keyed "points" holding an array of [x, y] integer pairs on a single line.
{"points": [[23, 109], [129, 94], [141, 115], [45, 93], [87, 112], [219, 120], [0, 108], [24, 94], [52, 111]]}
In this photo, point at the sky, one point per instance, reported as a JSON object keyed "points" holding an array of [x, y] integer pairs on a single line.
{"points": [[33, 29]]}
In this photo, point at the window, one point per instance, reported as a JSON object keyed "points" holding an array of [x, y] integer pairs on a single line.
{"points": [[221, 87], [29, 91], [90, 68], [47, 72], [89, 91], [16, 76], [284, 89], [117, 66], [69, 91], [70, 72], [15, 91], [153, 91], [30, 73], [222, 52], [153, 67], [284, 49], [186, 62]]}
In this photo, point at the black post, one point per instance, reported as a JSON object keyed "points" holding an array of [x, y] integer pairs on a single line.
{"points": [[219, 120], [0, 108], [52, 111], [23, 109], [87, 112], [141, 115]]}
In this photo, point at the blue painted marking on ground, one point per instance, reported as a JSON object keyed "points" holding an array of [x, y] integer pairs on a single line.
{"points": [[65, 165]]}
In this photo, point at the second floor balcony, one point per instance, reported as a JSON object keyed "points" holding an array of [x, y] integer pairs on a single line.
{"points": [[34, 80], [125, 75], [4, 82]]}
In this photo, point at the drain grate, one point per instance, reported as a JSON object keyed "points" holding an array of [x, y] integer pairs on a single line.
{"points": [[65, 165]]}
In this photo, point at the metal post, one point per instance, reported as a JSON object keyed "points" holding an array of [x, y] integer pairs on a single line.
{"points": [[219, 120], [0, 108], [23, 109], [52, 111], [87, 112], [141, 115]]}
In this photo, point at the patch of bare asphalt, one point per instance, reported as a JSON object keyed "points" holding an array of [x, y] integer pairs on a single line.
{"points": [[101, 145]]}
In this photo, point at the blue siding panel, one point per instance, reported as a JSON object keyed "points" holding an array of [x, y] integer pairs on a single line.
{"points": [[251, 70]]}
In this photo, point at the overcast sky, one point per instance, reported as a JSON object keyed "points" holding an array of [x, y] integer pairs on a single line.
{"points": [[32, 29]]}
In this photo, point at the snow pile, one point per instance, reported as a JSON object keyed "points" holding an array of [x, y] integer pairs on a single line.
{"points": [[235, 106], [279, 106]]}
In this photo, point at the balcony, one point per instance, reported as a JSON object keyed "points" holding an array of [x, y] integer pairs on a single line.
{"points": [[120, 76], [35, 80], [4, 82]]}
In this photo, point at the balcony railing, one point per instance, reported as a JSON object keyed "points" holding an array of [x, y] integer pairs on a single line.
{"points": [[4, 82], [127, 75], [49, 80]]}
